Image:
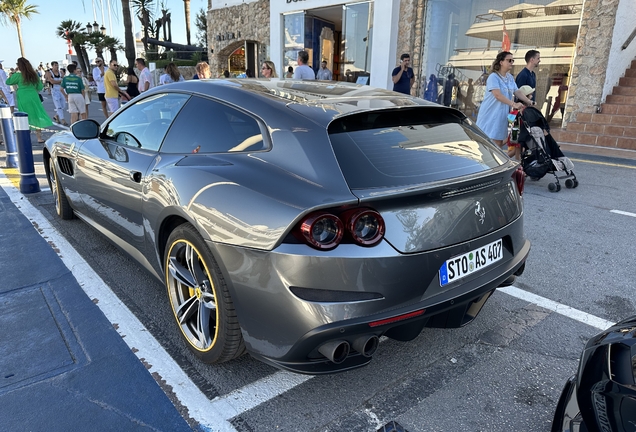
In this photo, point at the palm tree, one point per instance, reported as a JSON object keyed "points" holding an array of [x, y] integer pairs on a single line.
{"points": [[113, 45], [143, 10], [14, 11], [72, 30], [186, 5], [96, 40], [129, 38]]}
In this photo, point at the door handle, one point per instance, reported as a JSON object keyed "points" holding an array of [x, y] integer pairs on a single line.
{"points": [[135, 176]]}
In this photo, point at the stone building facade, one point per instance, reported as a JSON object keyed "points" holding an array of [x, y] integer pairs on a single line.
{"points": [[230, 27]]}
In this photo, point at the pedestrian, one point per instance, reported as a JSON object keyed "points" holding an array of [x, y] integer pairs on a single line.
{"points": [[203, 71], [73, 89], [242, 74], [303, 71], [527, 75], [5, 90], [431, 89], [323, 73], [112, 88], [268, 70], [28, 97], [226, 73], [172, 75], [54, 78], [132, 85], [145, 78], [87, 89], [290, 72], [403, 75], [98, 76], [501, 89]]}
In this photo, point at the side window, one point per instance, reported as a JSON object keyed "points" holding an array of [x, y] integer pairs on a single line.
{"points": [[206, 126], [144, 124]]}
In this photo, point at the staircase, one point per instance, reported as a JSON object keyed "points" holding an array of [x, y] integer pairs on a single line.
{"points": [[614, 126]]}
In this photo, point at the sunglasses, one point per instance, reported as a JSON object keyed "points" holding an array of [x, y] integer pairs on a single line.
{"points": [[116, 65], [265, 67], [510, 60]]}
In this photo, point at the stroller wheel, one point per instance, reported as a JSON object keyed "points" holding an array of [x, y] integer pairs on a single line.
{"points": [[576, 183], [569, 183], [554, 187]]}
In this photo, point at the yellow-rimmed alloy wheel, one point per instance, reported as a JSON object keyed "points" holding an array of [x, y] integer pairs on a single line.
{"points": [[62, 206], [200, 299]]}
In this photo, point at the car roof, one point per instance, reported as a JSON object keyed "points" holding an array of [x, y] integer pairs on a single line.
{"points": [[322, 101]]}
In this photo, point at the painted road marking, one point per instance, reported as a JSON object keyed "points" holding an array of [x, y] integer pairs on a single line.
{"points": [[621, 212], [215, 414], [603, 163], [559, 308]]}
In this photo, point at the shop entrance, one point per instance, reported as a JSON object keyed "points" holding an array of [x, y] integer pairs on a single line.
{"points": [[243, 59], [340, 35]]}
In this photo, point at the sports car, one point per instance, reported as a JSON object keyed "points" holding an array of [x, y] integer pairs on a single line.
{"points": [[298, 221]]}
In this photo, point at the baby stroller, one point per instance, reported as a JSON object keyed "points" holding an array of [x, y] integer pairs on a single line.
{"points": [[540, 153]]}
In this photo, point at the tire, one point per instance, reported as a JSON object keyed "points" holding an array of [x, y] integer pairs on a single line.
{"points": [[569, 183], [199, 298], [558, 187], [62, 206], [552, 187], [576, 183]]}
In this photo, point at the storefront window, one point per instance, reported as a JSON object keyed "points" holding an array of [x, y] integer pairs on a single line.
{"points": [[464, 37], [356, 40], [294, 39]]}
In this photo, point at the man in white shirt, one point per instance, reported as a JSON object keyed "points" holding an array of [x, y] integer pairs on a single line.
{"points": [[98, 76], [303, 71], [323, 73], [7, 94], [145, 78]]}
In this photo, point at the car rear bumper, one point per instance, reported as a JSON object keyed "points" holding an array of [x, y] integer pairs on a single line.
{"points": [[286, 330]]}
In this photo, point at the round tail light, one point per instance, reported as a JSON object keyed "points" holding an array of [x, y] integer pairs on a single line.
{"points": [[366, 227], [322, 230]]}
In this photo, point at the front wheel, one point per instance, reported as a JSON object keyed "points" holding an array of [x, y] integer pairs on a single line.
{"points": [[199, 297]]}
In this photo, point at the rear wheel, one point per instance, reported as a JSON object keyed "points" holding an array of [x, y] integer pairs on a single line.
{"points": [[199, 297], [576, 183], [569, 183], [62, 206], [552, 187]]}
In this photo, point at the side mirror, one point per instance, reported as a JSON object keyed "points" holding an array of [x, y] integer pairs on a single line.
{"points": [[85, 129]]}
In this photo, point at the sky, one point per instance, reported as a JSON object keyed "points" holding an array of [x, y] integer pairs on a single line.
{"points": [[42, 45]]}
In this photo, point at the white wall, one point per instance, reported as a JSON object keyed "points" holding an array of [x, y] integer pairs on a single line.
{"points": [[383, 51], [619, 60]]}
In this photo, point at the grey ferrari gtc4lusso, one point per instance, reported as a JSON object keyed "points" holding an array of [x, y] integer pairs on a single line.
{"points": [[298, 221]]}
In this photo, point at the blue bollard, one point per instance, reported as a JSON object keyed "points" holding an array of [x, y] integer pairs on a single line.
{"points": [[28, 181], [7, 136]]}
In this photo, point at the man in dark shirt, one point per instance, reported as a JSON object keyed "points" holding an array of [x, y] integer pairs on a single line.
{"points": [[527, 75], [403, 76]]}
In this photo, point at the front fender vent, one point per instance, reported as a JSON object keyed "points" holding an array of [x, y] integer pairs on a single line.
{"points": [[66, 166]]}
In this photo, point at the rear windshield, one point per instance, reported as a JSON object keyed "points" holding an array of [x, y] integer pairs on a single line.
{"points": [[409, 146]]}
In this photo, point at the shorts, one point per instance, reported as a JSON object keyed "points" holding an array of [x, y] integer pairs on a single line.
{"points": [[113, 104], [101, 97], [76, 103]]}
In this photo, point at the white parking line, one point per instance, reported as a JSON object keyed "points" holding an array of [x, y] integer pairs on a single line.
{"points": [[559, 308], [621, 212], [215, 414]]}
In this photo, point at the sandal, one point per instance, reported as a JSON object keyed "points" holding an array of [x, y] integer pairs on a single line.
{"points": [[55, 119], [41, 141]]}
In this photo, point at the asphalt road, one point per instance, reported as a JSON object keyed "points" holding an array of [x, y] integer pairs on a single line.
{"points": [[502, 372]]}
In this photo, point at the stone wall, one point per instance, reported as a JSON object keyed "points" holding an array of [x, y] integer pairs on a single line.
{"points": [[592, 55], [187, 72], [237, 24], [410, 29]]}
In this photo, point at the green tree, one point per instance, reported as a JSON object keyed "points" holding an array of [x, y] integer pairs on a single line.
{"points": [[72, 30], [129, 38], [112, 45], [13, 11], [97, 41], [201, 23], [143, 10]]}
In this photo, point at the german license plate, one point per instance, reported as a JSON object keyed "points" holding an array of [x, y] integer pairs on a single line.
{"points": [[470, 262]]}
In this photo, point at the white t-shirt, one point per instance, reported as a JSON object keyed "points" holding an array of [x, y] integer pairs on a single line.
{"points": [[304, 72], [99, 79], [167, 79], [144, 77]]}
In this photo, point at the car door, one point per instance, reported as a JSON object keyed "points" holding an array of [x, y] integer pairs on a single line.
{"points": [[113, 167]]}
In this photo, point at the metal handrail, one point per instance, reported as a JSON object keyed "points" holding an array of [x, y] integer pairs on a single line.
{"points": [[629, 39]]}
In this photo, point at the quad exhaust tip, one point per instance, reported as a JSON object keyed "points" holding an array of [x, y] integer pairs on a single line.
{"points": [[366, 345], [336, 351]]}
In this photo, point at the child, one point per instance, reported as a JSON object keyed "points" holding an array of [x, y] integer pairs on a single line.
{"points": [[73, 90]]}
